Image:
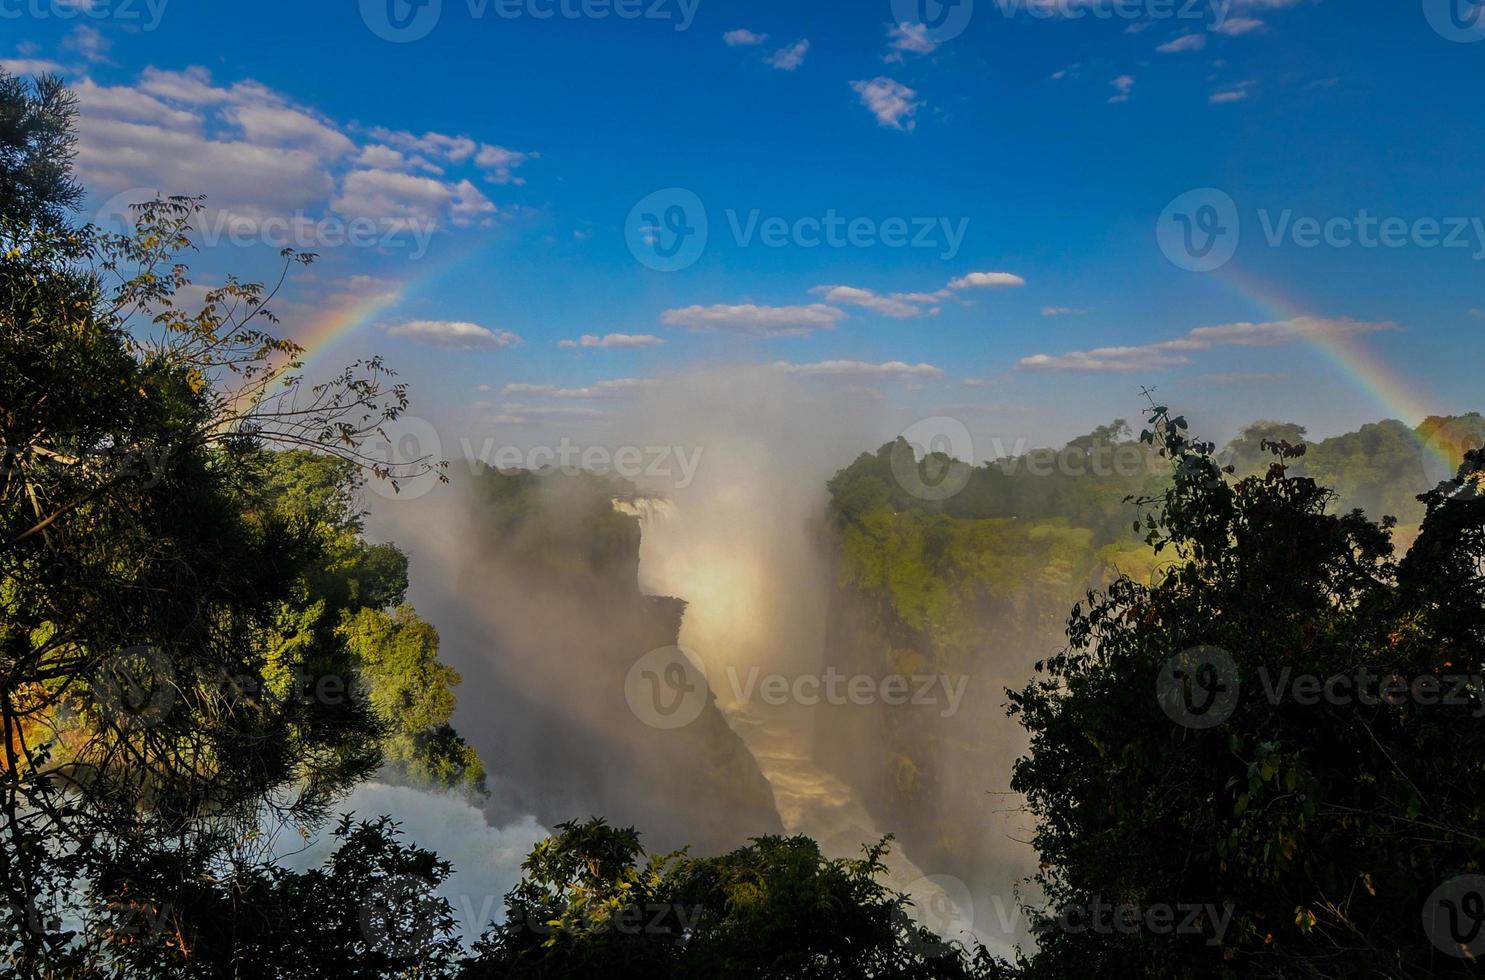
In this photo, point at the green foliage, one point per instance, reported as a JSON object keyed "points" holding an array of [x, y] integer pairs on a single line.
{"points": [[36, 183], [1381, 468], [369, 913], [161, 627], [412, 693], [1322, 826], [592, 904], [558, 523], [1083, 482]]}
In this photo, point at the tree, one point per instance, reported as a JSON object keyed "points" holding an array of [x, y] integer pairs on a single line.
{"points": [[370, 912], [150, 593], [36, 182], [1305, 833], [777, 909], [412, 693]]}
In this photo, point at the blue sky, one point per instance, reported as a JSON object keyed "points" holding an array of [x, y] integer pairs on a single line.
{"points": [[499, 158]]}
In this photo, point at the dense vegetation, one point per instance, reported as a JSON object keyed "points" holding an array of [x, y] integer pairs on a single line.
{"points": [[1321, 825], [195, 638], [968, 571]]}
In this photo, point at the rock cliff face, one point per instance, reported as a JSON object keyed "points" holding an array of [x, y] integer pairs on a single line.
{"points": [[954, 601], [554, 620], [935, 769]]}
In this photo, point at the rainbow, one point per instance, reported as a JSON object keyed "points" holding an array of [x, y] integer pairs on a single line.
{"points": [[364, 306], [343, 319], [1397, 396]]}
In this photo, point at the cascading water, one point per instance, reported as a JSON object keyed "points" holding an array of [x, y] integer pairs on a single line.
{"points": [[745, 621]]}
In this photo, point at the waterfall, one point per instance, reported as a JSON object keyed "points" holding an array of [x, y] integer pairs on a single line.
{"points": [[756, 605]]}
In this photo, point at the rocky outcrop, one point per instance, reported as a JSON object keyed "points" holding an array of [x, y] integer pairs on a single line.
{"points": [[552, 622]]}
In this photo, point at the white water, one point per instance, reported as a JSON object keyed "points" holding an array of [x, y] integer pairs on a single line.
{"points": [[749, 607]]}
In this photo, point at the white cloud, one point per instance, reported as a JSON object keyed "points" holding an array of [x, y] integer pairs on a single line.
{"points": [[1238, 26], [454, 335], [743, 37], [282, 126], [613, 340], [789, 58], [898, 305], [409, 201], [763, 321], [893, 103], [1173, 353], [1065, 310], [498, 162], [860, 369], [29, 66], [194, 87], [515, 413], [987, 280], [1125, 85], [256, 155], [908, 38], [1186, 42], [239, 176], [1232, 93], [614, 388], [133, 105], [89, 42], [904, 306]]}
